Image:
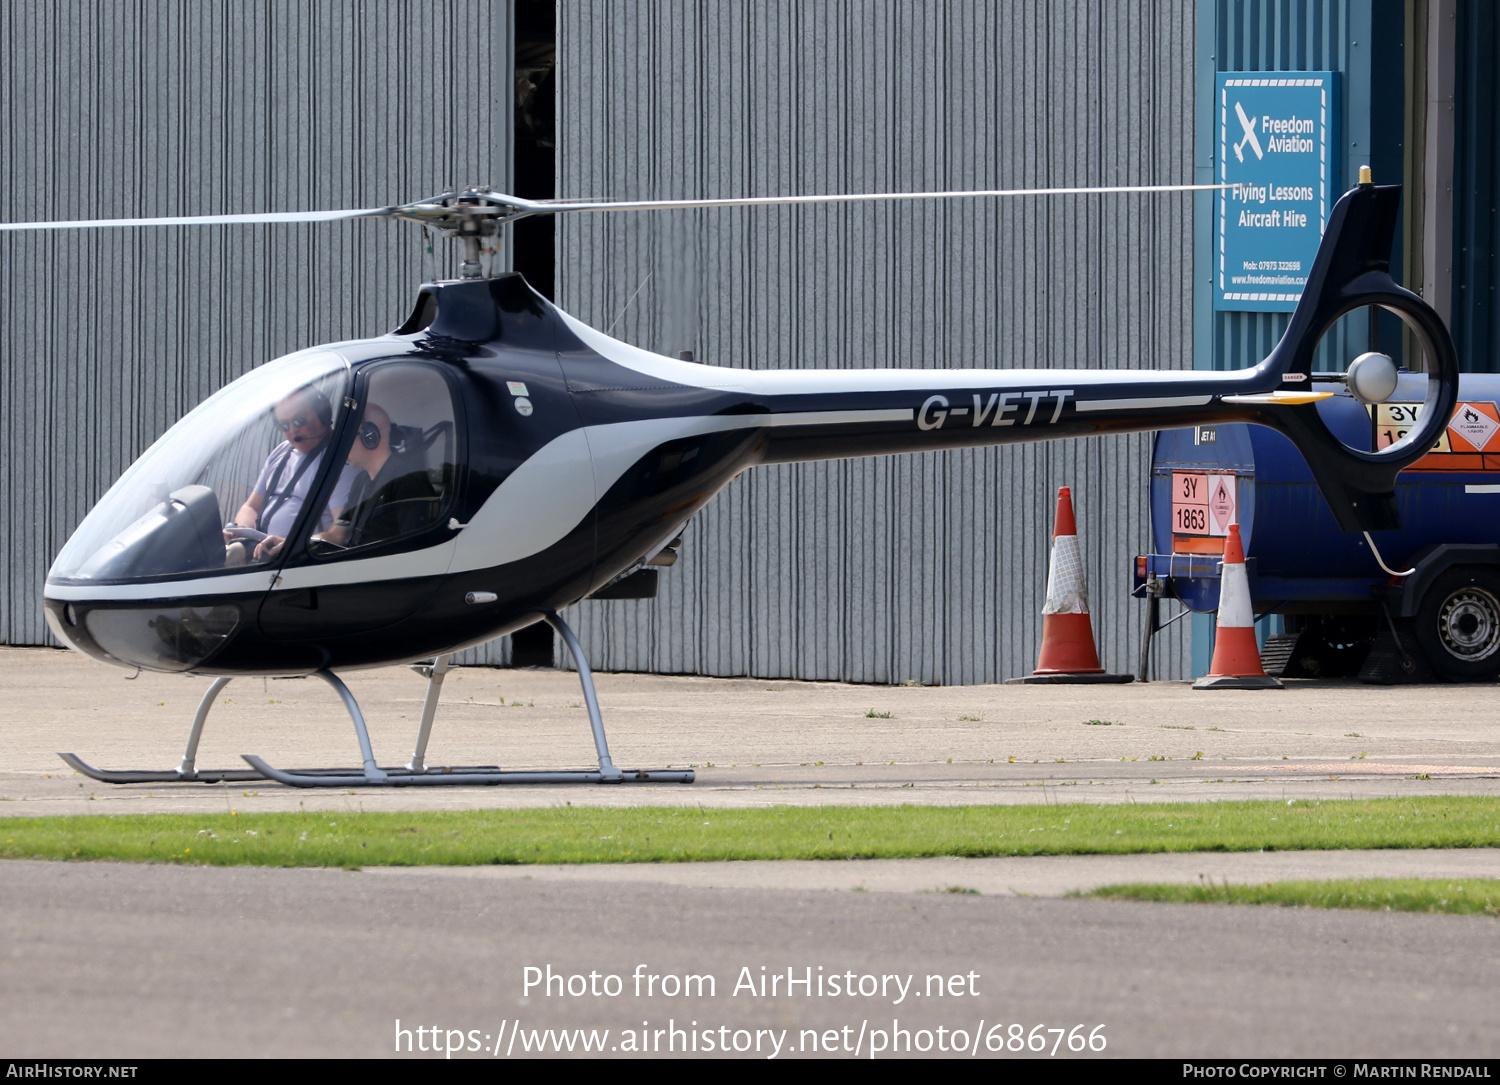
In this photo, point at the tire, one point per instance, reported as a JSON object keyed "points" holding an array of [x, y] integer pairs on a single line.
{"points": [[1331, 646], [1458, 624]]}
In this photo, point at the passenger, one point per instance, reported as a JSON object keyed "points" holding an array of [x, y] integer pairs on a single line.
{"points": [[277, 497], [392, 497]]}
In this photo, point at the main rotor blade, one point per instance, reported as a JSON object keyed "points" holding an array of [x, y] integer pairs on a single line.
{"points": [[203, 220], [441, 210], [559, 206]]}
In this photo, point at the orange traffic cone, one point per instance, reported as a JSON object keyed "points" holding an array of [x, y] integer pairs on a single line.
{"points": [[1236, 663], [1068, 653]]}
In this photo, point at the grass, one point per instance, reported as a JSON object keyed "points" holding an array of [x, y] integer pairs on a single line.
{"points": [[677, 834], [1471, 896]]}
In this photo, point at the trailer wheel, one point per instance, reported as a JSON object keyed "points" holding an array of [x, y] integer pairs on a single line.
{"points": [[1458, 624]]}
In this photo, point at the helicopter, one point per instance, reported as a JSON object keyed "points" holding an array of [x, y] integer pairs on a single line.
{"points": [[492, 461]]}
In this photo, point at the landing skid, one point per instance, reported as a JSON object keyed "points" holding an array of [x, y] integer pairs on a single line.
{"points": [[416, 773], [150, 776]]}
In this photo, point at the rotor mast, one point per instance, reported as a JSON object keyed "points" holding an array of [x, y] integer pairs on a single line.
{"points": [[471, 217]]}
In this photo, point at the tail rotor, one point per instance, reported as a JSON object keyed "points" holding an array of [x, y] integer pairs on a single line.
{"points": [[1352, 271]]}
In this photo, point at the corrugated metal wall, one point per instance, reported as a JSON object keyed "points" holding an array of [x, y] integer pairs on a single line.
{"points": [[927, 568], [1476, 226], [171, 108]]}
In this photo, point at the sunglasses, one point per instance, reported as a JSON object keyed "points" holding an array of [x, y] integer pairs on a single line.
{"points": [[287, 424]]}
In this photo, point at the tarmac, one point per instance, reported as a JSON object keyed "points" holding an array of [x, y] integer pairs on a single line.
{"points": [[1025, 876], [129, 961], [751, 742], [139, 960], [756, 743]]}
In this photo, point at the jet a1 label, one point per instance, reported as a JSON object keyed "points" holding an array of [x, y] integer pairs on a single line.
{"points": [[995, 409]]}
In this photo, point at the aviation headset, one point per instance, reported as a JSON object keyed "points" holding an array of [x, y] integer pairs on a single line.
{"points": [[324, 412], [320, 405], [369, 432], [369, 435]]}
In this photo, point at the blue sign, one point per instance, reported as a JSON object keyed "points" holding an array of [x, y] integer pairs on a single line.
{"points": [[1278, 144]]}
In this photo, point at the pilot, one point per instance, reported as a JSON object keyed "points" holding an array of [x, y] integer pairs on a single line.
{"points": [[306, 418], [392, 495]]}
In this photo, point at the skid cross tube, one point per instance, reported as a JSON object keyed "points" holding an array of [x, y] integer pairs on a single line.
{"points": [[186, 772], [418, 774], [607, 768], [434, 672]]}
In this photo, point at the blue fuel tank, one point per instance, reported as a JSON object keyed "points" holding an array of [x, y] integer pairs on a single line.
{"points": [[1297, 556], [1300, 563]]}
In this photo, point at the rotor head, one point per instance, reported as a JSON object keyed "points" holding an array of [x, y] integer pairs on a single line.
{"points": [[472, 217]]}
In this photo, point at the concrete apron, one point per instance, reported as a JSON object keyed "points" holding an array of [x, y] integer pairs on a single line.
{"points": [[751, 742], [1029, 876]]}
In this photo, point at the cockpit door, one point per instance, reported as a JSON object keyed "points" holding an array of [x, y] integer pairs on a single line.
{"points": [[377, 542]]}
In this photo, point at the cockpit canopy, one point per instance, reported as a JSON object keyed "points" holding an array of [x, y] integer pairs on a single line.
{"points": [[253, 470], [165, 516]]}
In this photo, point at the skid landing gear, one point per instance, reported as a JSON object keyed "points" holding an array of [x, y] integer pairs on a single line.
{"points": [[416, 772], [187, 771]]}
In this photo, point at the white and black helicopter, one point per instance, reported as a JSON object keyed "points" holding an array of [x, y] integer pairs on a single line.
{"points": [[493, 461]]}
